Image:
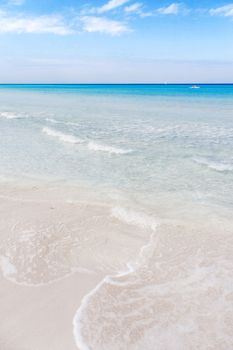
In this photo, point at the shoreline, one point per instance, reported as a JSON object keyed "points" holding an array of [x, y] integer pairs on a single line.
{"points": [[67, 250], [47, 268]]}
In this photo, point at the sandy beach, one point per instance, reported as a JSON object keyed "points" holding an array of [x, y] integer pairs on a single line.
{"points": [[116, 217], [53, 252], [75, 270], [37, 313], [116, 175], [41, 317]]}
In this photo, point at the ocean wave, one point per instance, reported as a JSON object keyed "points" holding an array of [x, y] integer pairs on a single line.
{"points": [[130, 217], [51, 120], [55, 121], [217, 166], [93, 146], [10, 115], [60, 136], [134, 218]]}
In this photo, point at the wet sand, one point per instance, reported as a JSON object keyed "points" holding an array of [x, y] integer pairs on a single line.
{"points": [[55, 248], [77, 271]]}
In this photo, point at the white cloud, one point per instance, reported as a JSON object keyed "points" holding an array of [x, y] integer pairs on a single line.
{"points": [[172, 9], [40, 24], [111, 5], [94, 24], [226, 11], [134, 8]]}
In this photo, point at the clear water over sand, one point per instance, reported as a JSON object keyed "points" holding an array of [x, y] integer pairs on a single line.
{"points": [[133, 183]]}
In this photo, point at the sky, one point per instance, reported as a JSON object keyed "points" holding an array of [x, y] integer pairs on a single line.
{"points": [[116, 41]]}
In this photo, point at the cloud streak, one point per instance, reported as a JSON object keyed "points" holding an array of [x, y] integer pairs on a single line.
{"points": [[111, 5], [134, 8], [38, 25], [226, 11], [94, 24], [107, 7], [94, 20], [172, 9]]}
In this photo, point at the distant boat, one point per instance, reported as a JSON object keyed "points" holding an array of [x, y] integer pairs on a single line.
{"points": [[194, 87]]}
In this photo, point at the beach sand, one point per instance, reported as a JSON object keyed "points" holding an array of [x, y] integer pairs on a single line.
{"points": [[76, 270], [116, 222], [55, 248], [41, 317], [38, 302]]}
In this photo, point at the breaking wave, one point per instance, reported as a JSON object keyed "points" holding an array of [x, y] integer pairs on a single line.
{"points": [[218, 166], [91, 145], [130, 217], [11, 115], [55, 121], [60, 136], [104, 148]]}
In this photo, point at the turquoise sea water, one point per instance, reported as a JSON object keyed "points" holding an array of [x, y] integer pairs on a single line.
{"points": [[211, 90], [161, 157], [144, 139]]}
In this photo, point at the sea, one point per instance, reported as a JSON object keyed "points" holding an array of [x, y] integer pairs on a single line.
{"points": [[161, 157]]}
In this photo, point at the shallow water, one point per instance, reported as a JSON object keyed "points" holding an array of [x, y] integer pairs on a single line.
{"points": [[158, 162]]}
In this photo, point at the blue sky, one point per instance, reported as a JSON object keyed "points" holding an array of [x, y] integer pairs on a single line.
{"points": [[105, 41]]}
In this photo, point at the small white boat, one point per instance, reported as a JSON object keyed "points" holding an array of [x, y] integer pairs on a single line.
{"points": [[194, 87]]}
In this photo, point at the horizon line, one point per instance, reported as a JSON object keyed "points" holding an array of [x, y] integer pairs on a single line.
{"points": [[163, 83]]}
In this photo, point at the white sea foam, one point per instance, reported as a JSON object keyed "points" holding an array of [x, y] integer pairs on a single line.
{"points": [[55, 121], [7, 267], [77, 321], [51, 120], [60, 136], [135, 218], [104, 148], [130, 217], [142, 220], [11, 115], [218, 166], [91, 145], [77, 318]]}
